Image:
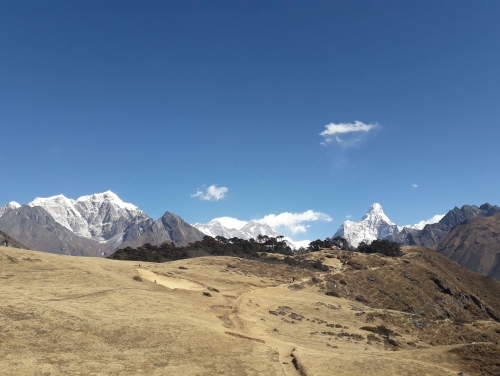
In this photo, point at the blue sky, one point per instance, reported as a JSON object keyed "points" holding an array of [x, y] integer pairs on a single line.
{"points": [[158, 100]]}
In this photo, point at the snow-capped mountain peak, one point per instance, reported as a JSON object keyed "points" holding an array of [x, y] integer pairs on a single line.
{"points": [[10, 206], [376, 214], [102, 216], [64, 212], [108, 197], [374, 225]]}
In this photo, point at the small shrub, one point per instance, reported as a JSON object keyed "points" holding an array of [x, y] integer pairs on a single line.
{"points": [[318, 265], [361, 298], [137, 278], [332, 293], [381, 329], [391, 341], [461, 321], [373, 337]]}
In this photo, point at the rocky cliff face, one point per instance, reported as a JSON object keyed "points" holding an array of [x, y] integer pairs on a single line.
{"points": [[103, 217], [475, 244], [36, 228], [92, 225], [169, 228]]}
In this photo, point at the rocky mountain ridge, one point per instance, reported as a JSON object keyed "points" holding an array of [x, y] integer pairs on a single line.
{"points": [[102, 217], [431, 234], [93, 225]]}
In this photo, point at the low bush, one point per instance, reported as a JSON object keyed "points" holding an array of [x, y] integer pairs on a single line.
{"points": [[361, 298], [332, 293]]}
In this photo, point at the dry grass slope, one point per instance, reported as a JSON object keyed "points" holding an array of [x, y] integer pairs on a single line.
{"points": [[63, 315]]}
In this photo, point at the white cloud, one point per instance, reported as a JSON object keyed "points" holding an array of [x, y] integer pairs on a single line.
{"points": [[414, 185], [333, 131], [420, 225], [348, 216], [231, 222], [212, 193], [435, 219], [294, 222]]}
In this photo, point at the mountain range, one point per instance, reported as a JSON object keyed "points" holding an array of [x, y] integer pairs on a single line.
{"points": [[93, 225], [468, 235], [98, 224]]}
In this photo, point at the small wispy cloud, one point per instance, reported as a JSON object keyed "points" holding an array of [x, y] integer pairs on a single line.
{"points": [[414, 185], [212, 193], [334, 131], [348, 216]]}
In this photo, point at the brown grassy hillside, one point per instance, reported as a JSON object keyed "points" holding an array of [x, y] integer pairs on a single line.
{"points": [[65, 315]]}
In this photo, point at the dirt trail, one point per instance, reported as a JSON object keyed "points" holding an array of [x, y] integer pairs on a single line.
{"points": [[170, 282], [237, 325], [285, 349]]}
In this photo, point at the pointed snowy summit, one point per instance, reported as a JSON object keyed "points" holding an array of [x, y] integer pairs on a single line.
{"points": [[376, 213], [374, 225]]}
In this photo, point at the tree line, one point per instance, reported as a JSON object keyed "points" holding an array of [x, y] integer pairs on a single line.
{"points": [[208, 246], [247, 248]]}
